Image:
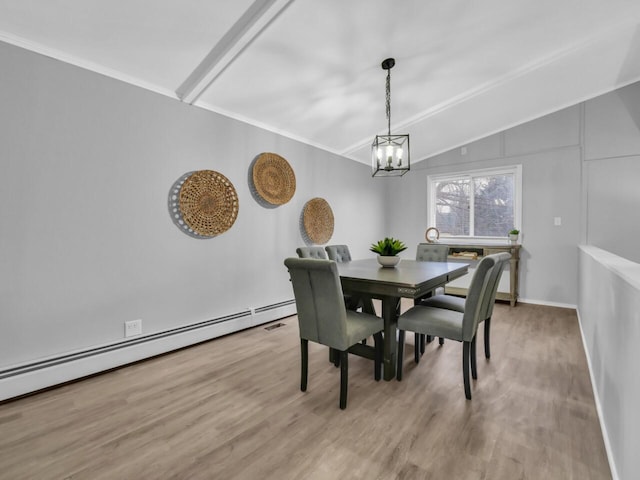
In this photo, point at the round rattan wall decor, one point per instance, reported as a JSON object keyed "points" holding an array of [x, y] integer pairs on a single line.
{"points": [[317, 219], [203, 204], [273, 179]]}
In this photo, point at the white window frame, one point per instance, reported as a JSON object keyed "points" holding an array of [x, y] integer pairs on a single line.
{"points": [[516, 170]]}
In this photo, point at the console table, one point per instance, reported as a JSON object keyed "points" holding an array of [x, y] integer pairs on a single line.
{"points": [[482, 250]]}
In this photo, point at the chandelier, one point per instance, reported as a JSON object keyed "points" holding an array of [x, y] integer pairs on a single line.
{"points": [[389, 153]]}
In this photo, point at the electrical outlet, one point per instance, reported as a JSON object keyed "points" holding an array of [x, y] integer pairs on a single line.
{"points": [[132, 328]]}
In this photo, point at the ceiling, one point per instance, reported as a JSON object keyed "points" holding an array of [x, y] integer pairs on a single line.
{"points": [[310, 69]]}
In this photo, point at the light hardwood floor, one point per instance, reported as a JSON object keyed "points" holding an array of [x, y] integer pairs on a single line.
{"points": [[232, 408]]}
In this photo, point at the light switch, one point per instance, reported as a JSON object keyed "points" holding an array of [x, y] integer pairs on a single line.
{"points": [[557, 221]]}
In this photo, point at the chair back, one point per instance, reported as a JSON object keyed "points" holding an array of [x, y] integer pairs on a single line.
{"points": [[311, 252], [338, 253], [432, 252], [322, 316], [489, 300], [476, 293]]}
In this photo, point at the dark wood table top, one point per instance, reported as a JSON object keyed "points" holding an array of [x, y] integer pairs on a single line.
{"points": [[409, 278]]}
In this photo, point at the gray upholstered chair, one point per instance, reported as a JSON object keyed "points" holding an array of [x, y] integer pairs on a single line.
{"points": [[451, 302], [339, 254], [311, 252], [429, 252], [432, 252], [459, 326], [323, 318]]}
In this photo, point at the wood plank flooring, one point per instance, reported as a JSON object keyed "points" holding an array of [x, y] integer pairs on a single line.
{"points": [[232, 408]]}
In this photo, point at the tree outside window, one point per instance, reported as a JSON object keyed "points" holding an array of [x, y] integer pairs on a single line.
{"points": [[476, 204]]}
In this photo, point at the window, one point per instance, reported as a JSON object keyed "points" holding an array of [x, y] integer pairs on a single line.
{"points": [[479, 203]]}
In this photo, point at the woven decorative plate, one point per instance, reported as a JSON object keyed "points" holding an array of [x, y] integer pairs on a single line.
{"points": [[203, 204], [318, 220], [273, 179]]}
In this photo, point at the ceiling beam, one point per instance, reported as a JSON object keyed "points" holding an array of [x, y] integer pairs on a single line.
{"points": [[257, 17]]}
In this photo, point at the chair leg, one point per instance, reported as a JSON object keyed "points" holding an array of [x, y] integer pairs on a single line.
{"points": [[334, 357], [429, 338], [423, 342], [441, 340], [487, 330], [416, 349], [377, 363], [344, 378], [466, 346], [474, 367], [304, 353], [400, 354]]}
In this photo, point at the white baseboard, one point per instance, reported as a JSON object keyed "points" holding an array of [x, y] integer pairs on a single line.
{"points": [[547, 303], [603, 426], [30, 378]]}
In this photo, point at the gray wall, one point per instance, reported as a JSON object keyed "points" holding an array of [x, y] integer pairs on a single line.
{"points": [[612, 171], [86, 239], [549, 151], [581, 164]]}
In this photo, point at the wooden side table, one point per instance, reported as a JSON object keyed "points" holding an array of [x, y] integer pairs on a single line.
{"points": [[483, 250]]}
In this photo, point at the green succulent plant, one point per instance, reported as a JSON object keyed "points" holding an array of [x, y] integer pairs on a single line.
{"points": [[515, 231], [388, 247]]}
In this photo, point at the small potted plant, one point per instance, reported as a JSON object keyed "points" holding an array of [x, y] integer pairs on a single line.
{"points": [[513, 235], [388, 250]]}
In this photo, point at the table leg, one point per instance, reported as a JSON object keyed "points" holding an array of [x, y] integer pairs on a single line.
{"points": [[390, 315], [513, 280], [367, 306]]}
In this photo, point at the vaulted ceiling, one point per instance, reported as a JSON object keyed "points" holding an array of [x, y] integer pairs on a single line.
{"points": [[310, 69]]}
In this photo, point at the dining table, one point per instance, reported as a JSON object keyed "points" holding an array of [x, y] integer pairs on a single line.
{"points": [[408, 279]]}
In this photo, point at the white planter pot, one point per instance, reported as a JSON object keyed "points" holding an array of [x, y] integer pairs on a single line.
{"points": [[388, 261]]}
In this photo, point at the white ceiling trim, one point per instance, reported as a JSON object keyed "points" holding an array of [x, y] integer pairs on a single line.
{"points": [[248, 27], [611, 66], [593, 42], [85, 64], [272, 129]]}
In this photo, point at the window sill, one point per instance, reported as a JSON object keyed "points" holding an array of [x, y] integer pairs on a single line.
{"points": [[453, 240]]}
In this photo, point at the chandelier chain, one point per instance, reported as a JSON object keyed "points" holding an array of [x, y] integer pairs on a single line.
{"points": [[388, 97]]}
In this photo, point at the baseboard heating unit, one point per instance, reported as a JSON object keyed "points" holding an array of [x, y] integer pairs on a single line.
{"points": [[30, 377]]}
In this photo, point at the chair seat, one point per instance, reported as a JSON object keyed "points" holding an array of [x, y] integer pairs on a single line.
{"points": [[444, 301], [360, 326], [433, 321]]}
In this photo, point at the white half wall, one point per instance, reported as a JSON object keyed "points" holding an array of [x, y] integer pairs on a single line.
{"points": [[609, 313]]}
